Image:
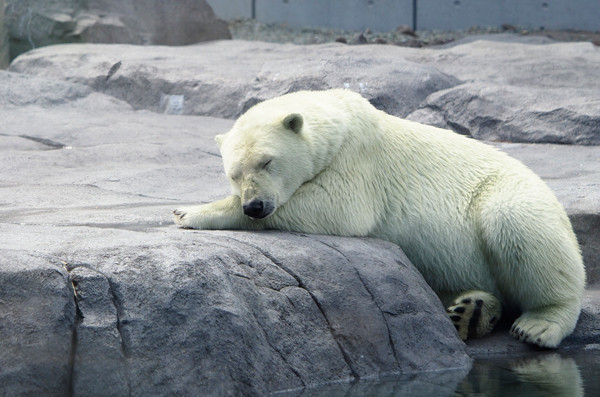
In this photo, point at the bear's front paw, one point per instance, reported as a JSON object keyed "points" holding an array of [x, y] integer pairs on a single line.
{"points": [[196, 217], [474, 314], [179, 215], [182, 217]]}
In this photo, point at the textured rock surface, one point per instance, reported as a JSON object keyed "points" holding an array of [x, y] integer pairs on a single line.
{"points": [[224, 79], [37, 23], [86, 192], [216, 313], [86, 198], [37, 314], [524, 90], [542, 92]]}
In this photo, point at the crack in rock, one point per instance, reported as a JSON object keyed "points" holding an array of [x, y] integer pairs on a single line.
{"points": [[387, 325], [44, 141], [73, 351], [94, 295], [301, 284], [119, 308], [268, 339], [336, 250]]}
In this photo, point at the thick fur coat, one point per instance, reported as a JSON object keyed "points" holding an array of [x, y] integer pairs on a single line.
{"points": [[481, 227]]}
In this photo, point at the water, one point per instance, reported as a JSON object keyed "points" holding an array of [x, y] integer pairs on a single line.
{"points": [[546, 374]]}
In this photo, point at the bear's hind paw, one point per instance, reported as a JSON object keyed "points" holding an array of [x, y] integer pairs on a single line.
{"points": [[474, 314], [539, 328]]}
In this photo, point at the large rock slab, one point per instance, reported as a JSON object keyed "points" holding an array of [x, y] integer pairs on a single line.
{"points": [[543, 92], [36, 23], [101, 292], [224, 79], [37, 315], [115, 299]]}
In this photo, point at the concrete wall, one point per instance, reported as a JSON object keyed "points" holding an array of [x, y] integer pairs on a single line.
{"points": [[384, 15], [347, 14], [534, 14]]}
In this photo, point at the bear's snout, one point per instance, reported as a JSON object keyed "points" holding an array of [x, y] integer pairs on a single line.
{"points": [[255, 209]]}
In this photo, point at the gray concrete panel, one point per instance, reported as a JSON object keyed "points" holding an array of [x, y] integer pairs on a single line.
{"points": [[385, 15], [377, 15], [533, 14]]}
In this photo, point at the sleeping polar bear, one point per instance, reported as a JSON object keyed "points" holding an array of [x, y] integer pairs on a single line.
{"points": [[485, 232]]}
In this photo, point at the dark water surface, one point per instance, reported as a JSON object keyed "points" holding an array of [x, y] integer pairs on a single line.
{"points": [[546, 374]]}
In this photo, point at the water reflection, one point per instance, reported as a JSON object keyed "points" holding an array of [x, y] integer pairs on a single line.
{"points": [[542, 374], [426, 384]]}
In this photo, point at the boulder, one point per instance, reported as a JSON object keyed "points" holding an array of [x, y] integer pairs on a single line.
{"points": [[114, 299], [513, 113], [545, 92], [248, 314], [153, 21], [101, 294], [37, 316], [224, 79], [37, 23]]}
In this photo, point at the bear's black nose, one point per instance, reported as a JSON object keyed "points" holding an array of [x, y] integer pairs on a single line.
{"points": [[254, 209]]}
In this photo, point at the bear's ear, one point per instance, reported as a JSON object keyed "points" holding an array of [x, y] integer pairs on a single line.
{"points": [[293, 122], [219, 139]]}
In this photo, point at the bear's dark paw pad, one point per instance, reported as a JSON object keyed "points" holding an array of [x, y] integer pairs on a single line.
{"points": [[463, 315], [474, 316]]}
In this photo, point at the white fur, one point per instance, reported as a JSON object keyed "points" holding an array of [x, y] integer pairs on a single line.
{"points": [[467, 215]]}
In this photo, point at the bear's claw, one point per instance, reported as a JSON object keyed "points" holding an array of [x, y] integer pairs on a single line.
{"points": [[179, 215], [537, 327]]}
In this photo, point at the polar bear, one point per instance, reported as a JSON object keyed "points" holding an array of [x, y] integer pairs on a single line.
{"points": [[485, 232]]}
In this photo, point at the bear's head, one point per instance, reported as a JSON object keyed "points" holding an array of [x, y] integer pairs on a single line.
{"points": [[266, 161]]}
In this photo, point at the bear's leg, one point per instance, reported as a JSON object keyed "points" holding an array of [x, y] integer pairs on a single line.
{"points": [[536, 264], [474, 313], [224, 214]]}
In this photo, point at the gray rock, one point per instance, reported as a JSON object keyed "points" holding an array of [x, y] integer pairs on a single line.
{"points": [[37, 315], [515, 113], [244, 313], [224, 79], [544, 92], [87, 198], [156, 22], [85, 216], [37, 23]]}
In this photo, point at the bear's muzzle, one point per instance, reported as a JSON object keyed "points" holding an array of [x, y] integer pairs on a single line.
{"points": [[257, 209]]}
